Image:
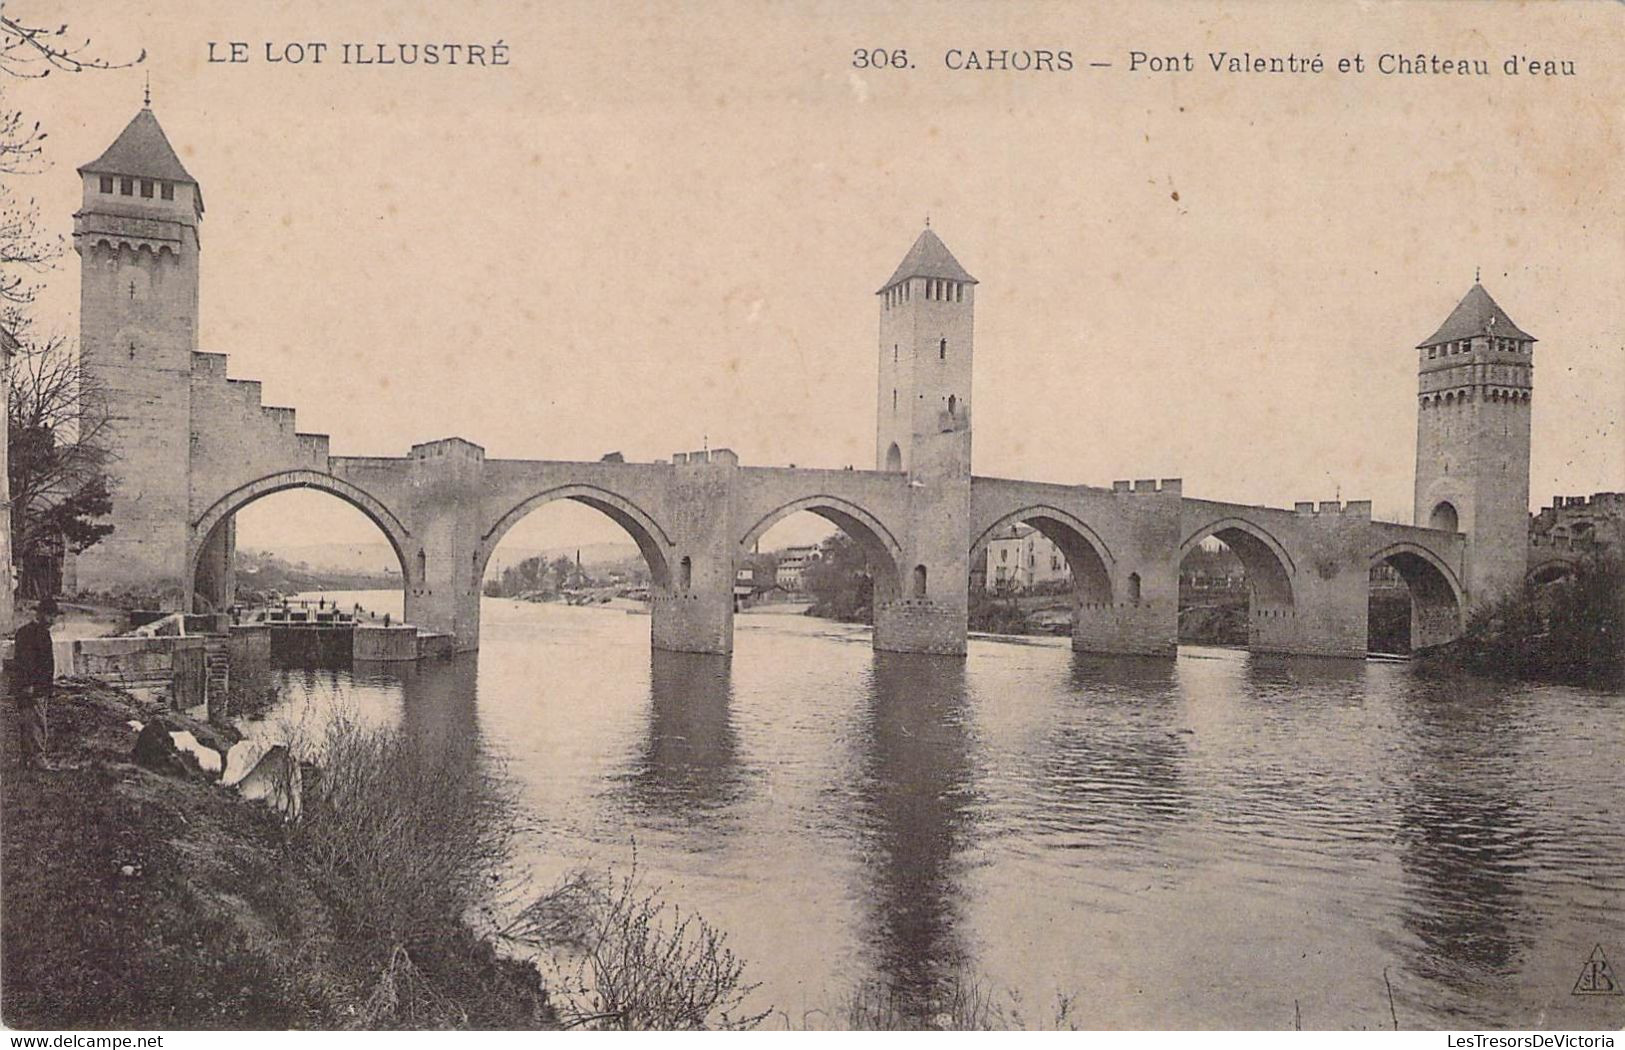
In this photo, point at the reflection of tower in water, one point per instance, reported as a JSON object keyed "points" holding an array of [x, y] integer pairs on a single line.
{"points": [[914, 798], [1464, 836], [689, 765]]}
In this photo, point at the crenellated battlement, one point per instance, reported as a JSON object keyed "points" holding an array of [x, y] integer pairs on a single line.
{"points": [[1150, 486], [449, 448], [315, 445], [718, 456], [250, 390], [206, 363], [1603, 501], [1359, 509]]}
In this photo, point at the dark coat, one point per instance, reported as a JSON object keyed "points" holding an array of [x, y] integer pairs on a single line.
{"points": [[36, 666]]}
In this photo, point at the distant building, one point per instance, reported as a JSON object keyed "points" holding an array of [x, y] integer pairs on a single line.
{"points": [[1020, 557], [793, 562], [1580, 521]]}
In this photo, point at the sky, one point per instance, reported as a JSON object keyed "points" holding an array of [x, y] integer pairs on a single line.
{"points": [[656, 230]]}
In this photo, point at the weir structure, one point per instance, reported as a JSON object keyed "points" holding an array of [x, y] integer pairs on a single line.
{"points": [[195, 446]]}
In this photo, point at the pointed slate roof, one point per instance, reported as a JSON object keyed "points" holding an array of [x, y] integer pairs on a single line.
{"points": [[929, 258], [141, 149], [1476, 314]]}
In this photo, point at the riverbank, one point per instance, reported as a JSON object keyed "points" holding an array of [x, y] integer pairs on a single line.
{"points": [[134, 899]]}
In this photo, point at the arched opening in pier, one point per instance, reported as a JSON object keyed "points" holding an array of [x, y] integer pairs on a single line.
{"points": [[1551, 572], [1415, 601], [1037, 571], [1235, 587], [301, 543], [577, 547], [822, 555]]}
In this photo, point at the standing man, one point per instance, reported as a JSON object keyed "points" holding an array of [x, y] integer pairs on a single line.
{"points": [[36, 672]]}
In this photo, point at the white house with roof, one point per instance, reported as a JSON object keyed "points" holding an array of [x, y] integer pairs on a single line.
{"points": [[1020, 557]]}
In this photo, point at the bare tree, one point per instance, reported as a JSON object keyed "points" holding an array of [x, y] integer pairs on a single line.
{"points": [[35, 51], [25, 252], [56, 420], [30, 52], [58, 427]]}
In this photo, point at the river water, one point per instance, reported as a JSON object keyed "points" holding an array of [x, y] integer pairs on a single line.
{"points": [[1221, 840]]}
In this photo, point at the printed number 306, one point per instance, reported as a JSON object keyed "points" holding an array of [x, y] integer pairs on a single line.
{"points": [[880, 58]]}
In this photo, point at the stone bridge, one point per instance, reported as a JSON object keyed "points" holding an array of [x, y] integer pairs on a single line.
{"points": [[195, 446], [445, 508]]}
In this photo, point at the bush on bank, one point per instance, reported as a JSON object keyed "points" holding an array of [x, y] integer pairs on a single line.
{"points": [[1571, 631]]}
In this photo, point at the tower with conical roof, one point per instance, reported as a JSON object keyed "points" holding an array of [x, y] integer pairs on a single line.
{"points": [[923, 429], [924, 394], [136, 233], [1472, 440]]}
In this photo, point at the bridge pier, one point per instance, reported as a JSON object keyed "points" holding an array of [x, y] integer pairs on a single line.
{"points": [[926, 607], [692, 611], [443, 515], [1149, 627]]}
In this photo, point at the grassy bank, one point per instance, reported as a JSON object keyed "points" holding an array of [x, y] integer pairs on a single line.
{"points": [[133, 899]]}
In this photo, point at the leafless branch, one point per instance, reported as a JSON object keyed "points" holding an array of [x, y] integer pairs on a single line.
{"points": [[34, 51]]}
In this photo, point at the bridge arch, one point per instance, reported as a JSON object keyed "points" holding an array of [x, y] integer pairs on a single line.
{"points": [[1086, 553], [1437, 599], [653, 541], [203, 531], [1268, 564], [1550, 571], [877, 541]]}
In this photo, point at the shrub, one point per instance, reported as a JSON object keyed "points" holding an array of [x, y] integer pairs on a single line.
{"points": [[1569, 631], [625, 959], [404, 833]]}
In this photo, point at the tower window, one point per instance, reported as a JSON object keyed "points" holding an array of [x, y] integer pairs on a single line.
{"points": [[942, 350], [107, 184], [894, 353], [953, 403], [919, 581], [1134, 587], [894, 401], [146, 188], [959, 292], [1433, 352], [167, 191], [126, 186]]}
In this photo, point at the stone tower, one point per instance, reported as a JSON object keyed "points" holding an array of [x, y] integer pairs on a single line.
{"points": [[923, 429], [1472, 440], [137, 238], [925, 357]]}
